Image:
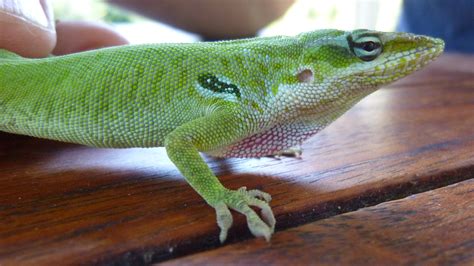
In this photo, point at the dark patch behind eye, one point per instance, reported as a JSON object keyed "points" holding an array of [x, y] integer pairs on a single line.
{"points": [[350, 41], [212, 83]]}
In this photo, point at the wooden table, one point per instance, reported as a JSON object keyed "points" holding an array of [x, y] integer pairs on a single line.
{"points": [[390, 181]]}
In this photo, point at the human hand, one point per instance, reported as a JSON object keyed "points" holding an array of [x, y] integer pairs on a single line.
{"points": [[27, 28]]}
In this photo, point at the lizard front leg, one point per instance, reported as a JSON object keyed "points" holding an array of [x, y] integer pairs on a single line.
{"points": [[206, 133]]}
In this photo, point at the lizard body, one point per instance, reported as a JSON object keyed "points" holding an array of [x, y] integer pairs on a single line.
{"points": [[243, 98]]}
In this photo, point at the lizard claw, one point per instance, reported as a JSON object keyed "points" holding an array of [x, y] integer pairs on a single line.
{"points": [[241, 200], [296, 152]]}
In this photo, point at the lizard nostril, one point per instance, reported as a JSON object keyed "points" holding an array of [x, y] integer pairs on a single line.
{"points": [[306, 76]]}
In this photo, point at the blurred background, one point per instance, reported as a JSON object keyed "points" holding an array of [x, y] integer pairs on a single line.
{"points": [[36, 28], [173, 22]]}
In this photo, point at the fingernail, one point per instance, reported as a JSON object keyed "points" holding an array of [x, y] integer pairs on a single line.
{"points": [[34, 11]]}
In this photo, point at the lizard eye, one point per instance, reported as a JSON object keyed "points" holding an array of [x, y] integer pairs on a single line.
{"points": [[366, 48], [369, 46]]}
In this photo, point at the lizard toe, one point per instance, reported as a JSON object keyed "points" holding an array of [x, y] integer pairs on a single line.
{"points": [[224, 220], [259, 194], [241, 201], [295, 152]]}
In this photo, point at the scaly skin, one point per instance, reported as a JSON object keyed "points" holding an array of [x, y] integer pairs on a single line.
{"points": [[244, 98]]}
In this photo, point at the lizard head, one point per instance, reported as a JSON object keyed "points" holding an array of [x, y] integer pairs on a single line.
{"points": [[336, 69]]}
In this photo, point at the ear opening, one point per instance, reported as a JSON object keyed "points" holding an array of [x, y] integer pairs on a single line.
{"points": [[305, 76]]}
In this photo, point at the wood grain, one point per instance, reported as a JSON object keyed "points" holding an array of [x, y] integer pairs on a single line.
{"points": [[67, 203], [431, 228]]}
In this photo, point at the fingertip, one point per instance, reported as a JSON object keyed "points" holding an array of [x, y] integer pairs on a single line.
{"points": [[27, 28]]}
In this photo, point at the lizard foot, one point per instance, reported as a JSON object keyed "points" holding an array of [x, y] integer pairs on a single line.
{"points": [[240, 200], [296, 152]]}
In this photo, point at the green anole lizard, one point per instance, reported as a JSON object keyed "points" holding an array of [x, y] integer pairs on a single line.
{"points": [[243, 98]]}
